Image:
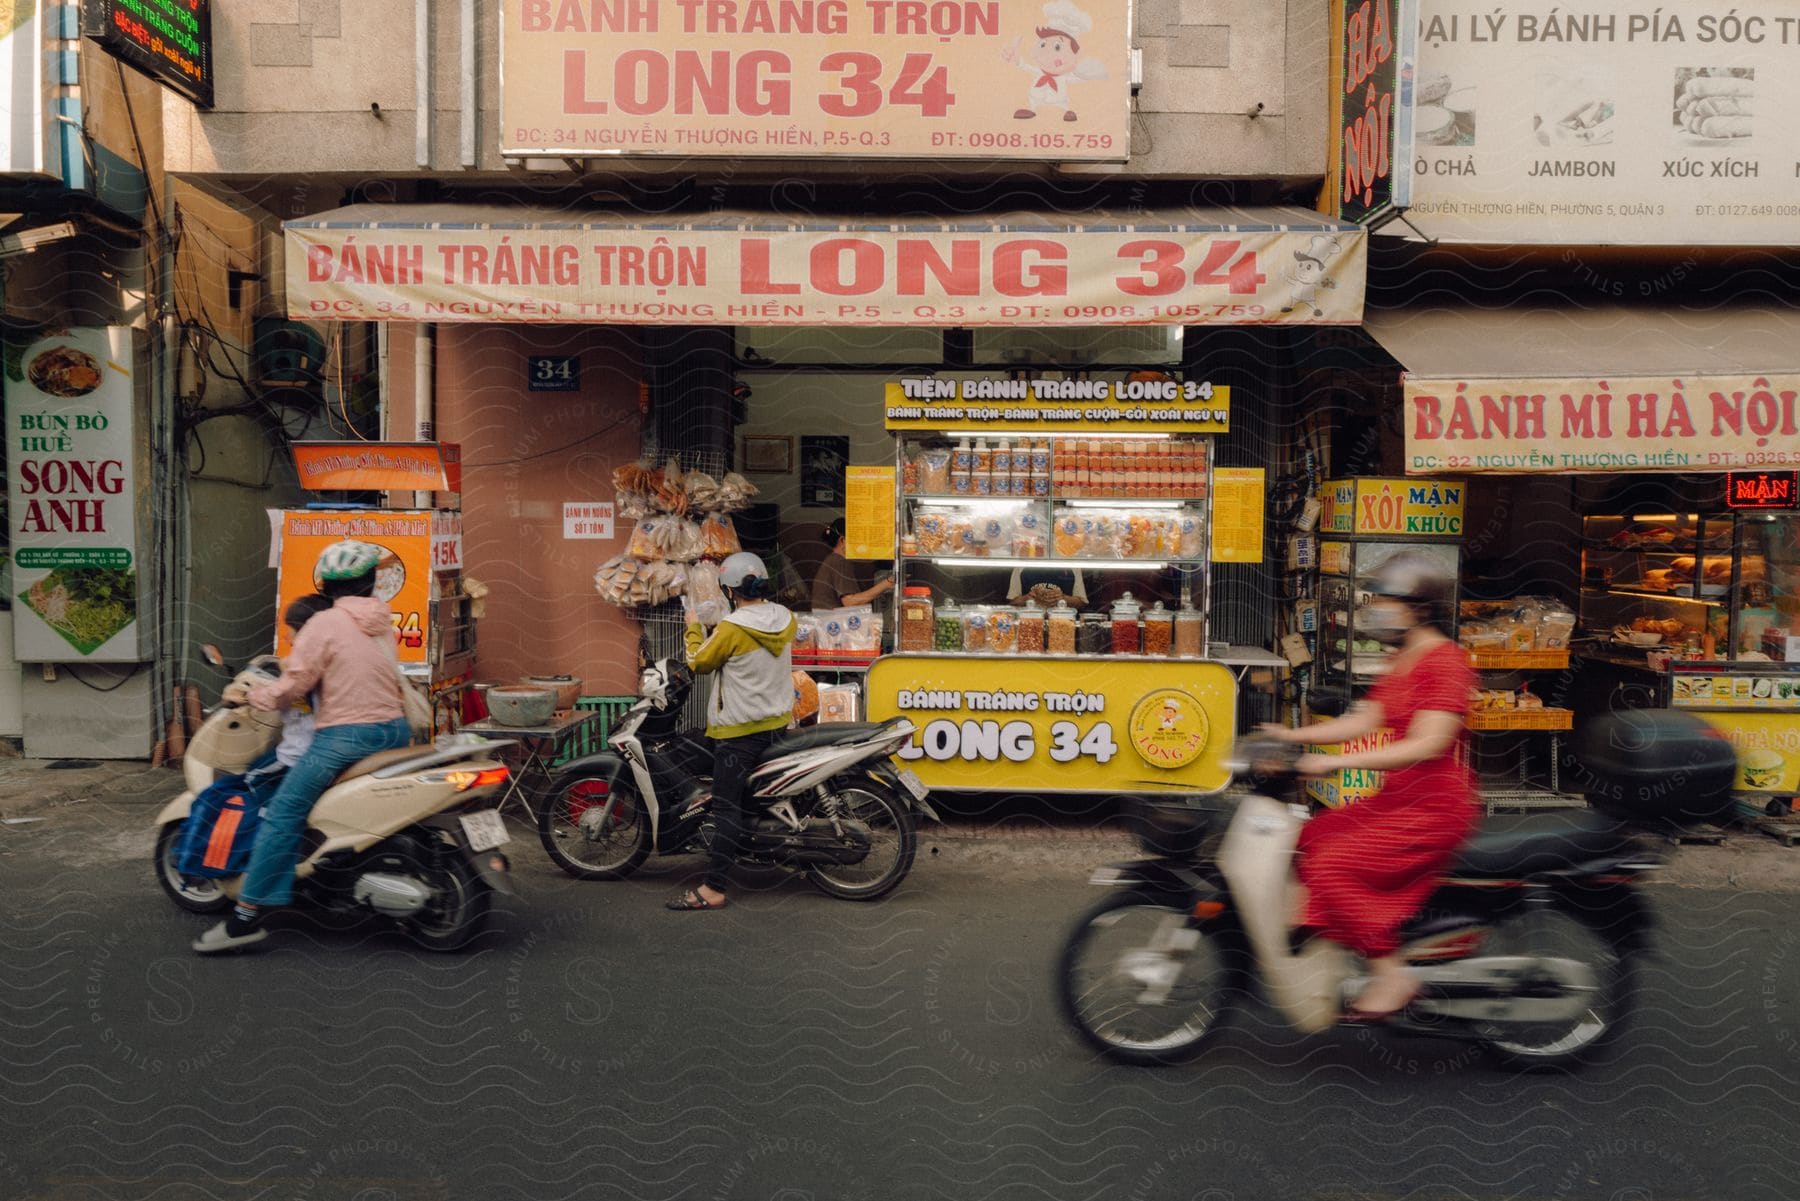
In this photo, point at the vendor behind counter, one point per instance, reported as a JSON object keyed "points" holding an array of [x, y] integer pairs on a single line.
{"points": [[836, 585]]}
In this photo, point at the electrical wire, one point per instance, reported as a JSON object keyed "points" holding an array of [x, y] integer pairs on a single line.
{"points": [[605, 429], [123, 680]]}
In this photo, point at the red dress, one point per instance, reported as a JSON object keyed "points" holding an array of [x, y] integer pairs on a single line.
{"points": [[1370, 866]]}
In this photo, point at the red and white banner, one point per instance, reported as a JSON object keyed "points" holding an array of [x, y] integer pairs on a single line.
{"points": [[1045, 80], [1025, 272], [1694, 423]]}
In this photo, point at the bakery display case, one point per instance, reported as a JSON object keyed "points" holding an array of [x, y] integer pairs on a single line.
{"points": [[1687, 586]]}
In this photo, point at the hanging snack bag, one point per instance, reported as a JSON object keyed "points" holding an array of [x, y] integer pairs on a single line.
{"points": [[718, 537], [647, 537]]}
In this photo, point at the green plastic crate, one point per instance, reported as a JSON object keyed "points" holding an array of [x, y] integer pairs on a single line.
{"points": [[589, 740]]}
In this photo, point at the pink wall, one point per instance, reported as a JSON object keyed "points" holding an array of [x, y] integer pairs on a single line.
{"points": [[525, 454]]}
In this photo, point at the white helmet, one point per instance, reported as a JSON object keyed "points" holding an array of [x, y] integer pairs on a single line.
{"points": [[740, 567]]}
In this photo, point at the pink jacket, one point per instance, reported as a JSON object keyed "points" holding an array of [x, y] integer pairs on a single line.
{"points": [[345, 654]]}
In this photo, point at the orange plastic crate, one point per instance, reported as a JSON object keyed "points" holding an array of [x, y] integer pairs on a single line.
{"points": [[1522, 719], [1518, 660]]}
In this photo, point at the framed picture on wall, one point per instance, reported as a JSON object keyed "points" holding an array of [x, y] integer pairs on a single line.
{"points": [[768, 454], [822, 462]]}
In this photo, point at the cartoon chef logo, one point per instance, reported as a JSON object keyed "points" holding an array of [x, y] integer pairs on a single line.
{"points": [[1054, 61], [1168, 729], [1308, 274]]}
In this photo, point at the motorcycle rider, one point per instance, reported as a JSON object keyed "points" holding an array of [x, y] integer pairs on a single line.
{"points": [[750, 654], [345, 656], [1368, 868]]}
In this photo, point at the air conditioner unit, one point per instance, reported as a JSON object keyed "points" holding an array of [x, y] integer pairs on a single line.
{"points": [[287, 354]]}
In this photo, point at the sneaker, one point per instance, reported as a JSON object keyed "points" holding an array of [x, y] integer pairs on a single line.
{"points": [[220, 938]]}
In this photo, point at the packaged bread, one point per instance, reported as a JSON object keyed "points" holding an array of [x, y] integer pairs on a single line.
{"points": [[837, 702], [806, 696]]}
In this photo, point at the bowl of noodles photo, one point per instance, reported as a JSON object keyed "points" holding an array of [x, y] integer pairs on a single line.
{"points": [[64, 371], [86, 605]]}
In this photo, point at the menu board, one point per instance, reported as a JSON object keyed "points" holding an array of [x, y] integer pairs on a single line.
{"points": [[1617, 122], [869, 513], [1237, 515], [168, 40], [1735, 686]]}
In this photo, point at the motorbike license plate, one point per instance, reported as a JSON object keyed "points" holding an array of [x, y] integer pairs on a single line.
{"points": [[485, 830], [914, 785]]}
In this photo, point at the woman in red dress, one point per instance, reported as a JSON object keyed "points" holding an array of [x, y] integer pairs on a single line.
{"points": [[1369, 867]]}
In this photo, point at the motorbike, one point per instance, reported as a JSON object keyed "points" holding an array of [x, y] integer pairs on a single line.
{"points": [[1529, 946], [828, 801], [407, 834]]}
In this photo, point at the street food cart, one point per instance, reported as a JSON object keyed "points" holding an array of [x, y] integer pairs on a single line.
{"points": [[420, 572], [1099, 676]]}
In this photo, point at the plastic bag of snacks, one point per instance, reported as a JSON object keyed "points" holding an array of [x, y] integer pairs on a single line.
{"points": [[718, 537], [806, 696], [838, 702], [703, 590], [862, 629], [934, 472], [1070, 538], [806, 634], [932, 529]]}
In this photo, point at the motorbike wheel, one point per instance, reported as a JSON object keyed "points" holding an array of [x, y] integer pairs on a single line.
{"points": [[1572, 935], [893, 841], [589, 852], [204, 896], [458, 912], [1141, 983]]}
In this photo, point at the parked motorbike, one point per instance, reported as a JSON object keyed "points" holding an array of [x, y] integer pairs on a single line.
{"points": [[407, 834], [828, 801], [1529, 946]]}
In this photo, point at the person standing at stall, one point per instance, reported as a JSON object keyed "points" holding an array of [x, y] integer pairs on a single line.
{"points": [[346, 654], [750, 656], [1369, 867], [836, 585]]}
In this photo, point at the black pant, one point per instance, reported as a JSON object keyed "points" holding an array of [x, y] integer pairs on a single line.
{"points": [[733, 760]]}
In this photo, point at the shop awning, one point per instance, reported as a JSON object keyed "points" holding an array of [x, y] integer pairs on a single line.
{"points": [[453, 262], [1607, 388]]}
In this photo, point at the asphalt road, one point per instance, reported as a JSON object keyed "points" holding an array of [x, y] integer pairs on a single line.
{"points": [[795, 1048]]}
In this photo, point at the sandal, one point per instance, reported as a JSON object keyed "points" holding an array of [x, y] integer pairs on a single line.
{"points": [[692, 900]]}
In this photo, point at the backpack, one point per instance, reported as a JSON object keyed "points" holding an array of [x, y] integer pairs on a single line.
{"points": [[221, 829]]}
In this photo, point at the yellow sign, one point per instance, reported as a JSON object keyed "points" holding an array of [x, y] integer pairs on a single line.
{"points": [[402, 578], [1048, 724], [988, 79], [1352, 784], [1629, 423], [1060, 406], [465, 263], [1237, 514], [1407, 508], [869, 513], [1768, 747]]}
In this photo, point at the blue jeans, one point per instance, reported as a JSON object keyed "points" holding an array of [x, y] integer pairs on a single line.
{"points": [[269, 880]]}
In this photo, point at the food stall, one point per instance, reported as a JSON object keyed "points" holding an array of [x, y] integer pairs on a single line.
{"points": [[1053, 542], [420, 572]]}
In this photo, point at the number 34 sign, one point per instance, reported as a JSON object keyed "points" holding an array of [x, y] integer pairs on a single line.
{"points": [[553, 373]]}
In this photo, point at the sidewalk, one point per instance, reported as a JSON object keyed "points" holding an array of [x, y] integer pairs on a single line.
{"points": [[34, 789]]}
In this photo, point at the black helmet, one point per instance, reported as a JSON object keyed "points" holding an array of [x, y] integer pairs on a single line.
{"points": [[1420, 579]]}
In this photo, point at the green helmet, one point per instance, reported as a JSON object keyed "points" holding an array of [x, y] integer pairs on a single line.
{"points": [[348, 560]]}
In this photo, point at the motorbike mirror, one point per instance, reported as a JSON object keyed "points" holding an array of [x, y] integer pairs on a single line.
{"points": [[212, 655]]}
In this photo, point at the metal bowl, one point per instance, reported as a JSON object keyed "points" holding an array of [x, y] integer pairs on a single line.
{"points": [[520, 705]]}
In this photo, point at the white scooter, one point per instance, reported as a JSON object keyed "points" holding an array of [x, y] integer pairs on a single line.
{"points": [[1528, 946], [407, 834]]}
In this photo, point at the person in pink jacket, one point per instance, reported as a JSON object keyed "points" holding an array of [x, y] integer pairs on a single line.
{"points": [[345, 657]]}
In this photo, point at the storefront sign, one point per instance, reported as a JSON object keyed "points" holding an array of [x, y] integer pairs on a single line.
{"points": [[378, 466], [402, 578], [988, 79], [1374, 46], [168, 40], [1239, 494], [72, 497], [745, 271], [1617, 122], [869, 513], [1408, 508], [1768, 747], [1762, 489], [1352, 783], [588, 519], [1640, 423], [553, 373], [1060, 725], [1060, 406], [446, 540]]}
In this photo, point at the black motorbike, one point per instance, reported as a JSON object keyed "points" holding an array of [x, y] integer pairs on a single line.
{"points": [[828, 801]]}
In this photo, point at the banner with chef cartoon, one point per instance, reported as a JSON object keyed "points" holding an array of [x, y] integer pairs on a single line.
{"points": [[1625, 423], [987, 79], [1619, 122]]}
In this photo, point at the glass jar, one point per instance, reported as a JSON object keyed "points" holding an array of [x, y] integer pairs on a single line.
{"points": [[1060, 629], [1159, 632], [1096, 634], [1127, 635], [918, 627], [1031, 629], [948, 623], [1190, 633]]}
